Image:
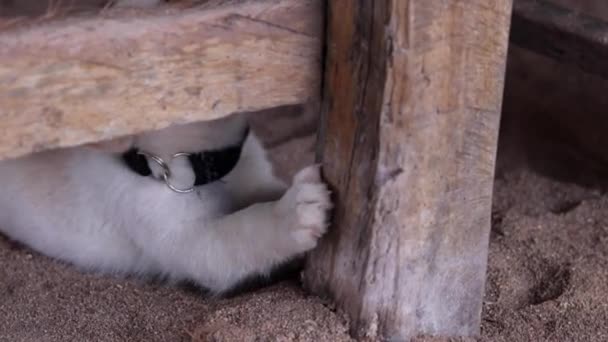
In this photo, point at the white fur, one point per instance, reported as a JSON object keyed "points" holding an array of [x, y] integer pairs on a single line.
{"points": [[84, 206]]}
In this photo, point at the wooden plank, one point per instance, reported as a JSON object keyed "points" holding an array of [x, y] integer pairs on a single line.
{"points": [[412, 103], [84, 79], [595, 8], [561, 33]]}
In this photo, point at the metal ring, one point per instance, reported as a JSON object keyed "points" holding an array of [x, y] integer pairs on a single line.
{"points": [[181, 154], [166, 175], [181, 191]]}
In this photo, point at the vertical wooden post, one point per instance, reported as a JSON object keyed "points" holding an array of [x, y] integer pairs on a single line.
{"points": [[412, 100]]}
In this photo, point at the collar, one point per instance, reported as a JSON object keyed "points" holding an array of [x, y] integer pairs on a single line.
{"points": [[208, 166]]}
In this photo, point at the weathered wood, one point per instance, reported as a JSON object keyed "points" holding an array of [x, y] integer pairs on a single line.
{"points": [[86, 79], [561, 33], [412, 103], [595, 8]]}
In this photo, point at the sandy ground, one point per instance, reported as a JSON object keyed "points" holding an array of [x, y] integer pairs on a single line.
{"points": [[547, 277]]}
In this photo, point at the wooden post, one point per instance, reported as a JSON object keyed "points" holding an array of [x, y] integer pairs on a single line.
{"points": [[412, 101]]}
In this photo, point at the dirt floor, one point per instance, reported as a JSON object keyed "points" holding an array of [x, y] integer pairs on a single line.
{"points": [[547, 279]]}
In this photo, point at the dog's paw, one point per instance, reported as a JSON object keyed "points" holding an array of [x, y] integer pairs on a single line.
{"points": [[306, 205]]}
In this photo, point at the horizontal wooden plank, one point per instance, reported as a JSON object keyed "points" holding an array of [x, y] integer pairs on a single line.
{"points": [[595, 8], [84, 79], [561, 33]]}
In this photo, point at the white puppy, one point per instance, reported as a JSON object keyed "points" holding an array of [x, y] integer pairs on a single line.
{"points": [[106, 207]]}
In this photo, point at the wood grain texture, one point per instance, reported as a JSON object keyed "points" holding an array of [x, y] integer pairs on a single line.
{"points": [[412, 100], [84, 79], [562, 33]]}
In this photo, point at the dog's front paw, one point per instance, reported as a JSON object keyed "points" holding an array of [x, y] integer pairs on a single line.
{"points": [[306, 205]]}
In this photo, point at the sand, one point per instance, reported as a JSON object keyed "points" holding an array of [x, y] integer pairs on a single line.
{"points": [[547, 277]]}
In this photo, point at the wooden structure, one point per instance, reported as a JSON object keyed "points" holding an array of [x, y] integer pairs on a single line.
{"points": [[412, 94], [412, 100], [557, 78], [563, 34], [83, 79]]}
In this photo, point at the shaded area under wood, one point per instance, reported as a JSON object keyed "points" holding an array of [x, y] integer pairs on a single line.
{"points": [[555, 118], [561, 33]]}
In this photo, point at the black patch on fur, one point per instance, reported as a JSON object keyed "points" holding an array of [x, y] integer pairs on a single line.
{"points": [[137, 162], [287, 271], [208, 166]]}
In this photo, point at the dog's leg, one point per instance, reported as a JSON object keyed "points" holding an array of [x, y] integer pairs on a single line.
{"points": [[219, 253], [259, 237], [253, 180]]}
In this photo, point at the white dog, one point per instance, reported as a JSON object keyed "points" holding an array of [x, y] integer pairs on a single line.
{"points": [[193, 202]]}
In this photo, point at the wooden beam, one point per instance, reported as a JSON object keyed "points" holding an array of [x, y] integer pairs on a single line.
{"points": [[84, 79], [561, 33], [595, 8], [412, 100]]}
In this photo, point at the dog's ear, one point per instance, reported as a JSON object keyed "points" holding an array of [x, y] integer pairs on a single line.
{"points": [[116, 145]]}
